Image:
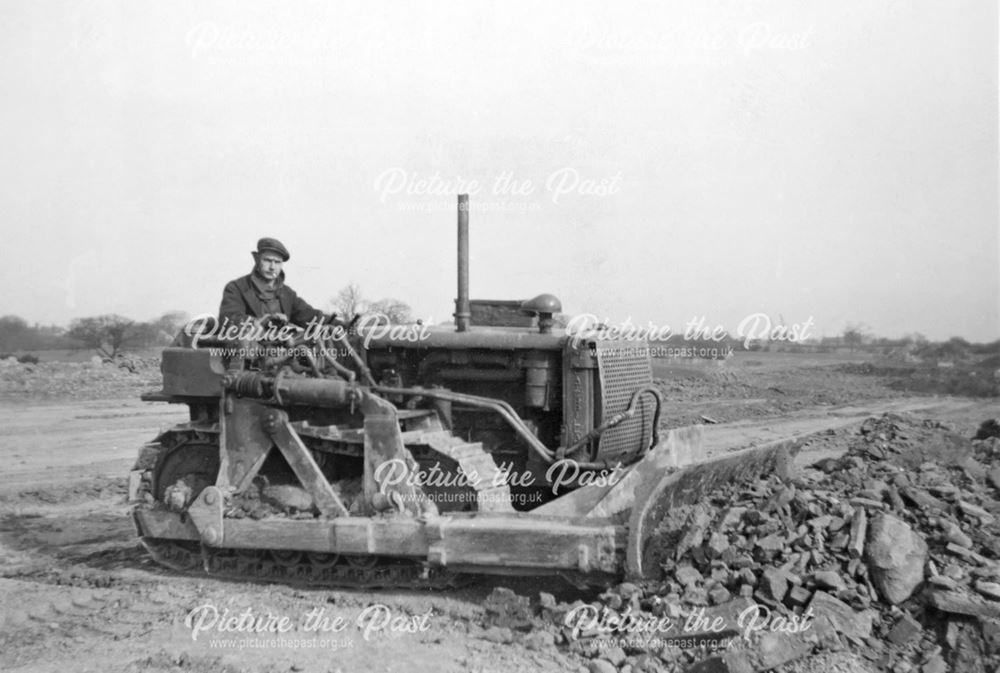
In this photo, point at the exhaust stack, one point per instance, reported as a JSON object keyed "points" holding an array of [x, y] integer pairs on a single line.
{"points": [[462, 311]]}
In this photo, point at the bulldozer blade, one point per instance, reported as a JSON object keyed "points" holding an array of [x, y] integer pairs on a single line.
{"points": [[658, 494], [682, 446]]}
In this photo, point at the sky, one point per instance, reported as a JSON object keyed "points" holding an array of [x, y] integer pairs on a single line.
{"points": [[829, 163]]}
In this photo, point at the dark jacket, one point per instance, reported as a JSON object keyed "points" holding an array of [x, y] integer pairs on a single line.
{"points": [[240, 299]]}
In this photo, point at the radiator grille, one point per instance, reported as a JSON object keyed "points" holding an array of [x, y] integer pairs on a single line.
{"points": [[624, 366]]}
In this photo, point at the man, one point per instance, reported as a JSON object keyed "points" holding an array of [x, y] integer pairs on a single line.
{"points": [[262, 294], [263, 297]]}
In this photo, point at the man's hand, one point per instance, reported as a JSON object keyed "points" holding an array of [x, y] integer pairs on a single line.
{"points": [[274, 319]]}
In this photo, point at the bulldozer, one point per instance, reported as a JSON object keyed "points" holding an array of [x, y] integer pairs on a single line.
{"points": [[419, 455]]}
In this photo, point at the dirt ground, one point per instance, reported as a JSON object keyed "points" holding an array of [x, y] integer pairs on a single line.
{"points": [[78, 593]]}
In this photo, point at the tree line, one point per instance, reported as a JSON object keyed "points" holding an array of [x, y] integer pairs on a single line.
{"points": [[106, 334], [109, 334]]}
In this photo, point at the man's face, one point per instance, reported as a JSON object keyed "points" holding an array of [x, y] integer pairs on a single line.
{"points": [[268, 265]]}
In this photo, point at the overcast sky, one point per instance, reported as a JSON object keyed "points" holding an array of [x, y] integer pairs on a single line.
{"points": [[833, 161]]}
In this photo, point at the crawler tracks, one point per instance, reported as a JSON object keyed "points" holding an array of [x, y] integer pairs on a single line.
{"points": [[186, 454], [263, 565]]}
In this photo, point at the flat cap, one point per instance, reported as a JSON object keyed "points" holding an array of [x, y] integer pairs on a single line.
{"points": [[274, 245]]}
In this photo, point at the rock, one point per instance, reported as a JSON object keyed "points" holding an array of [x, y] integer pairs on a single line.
{"points": [[694, 533], [962, 604], [837, 523], [994, 478], [827, 465], [627, 589], [547, 601], [601, 666], [895, 499], [832, 613], [976, 512], [615, 655], [773, 542], [953, 533], [747, 576], [688, 575], [798, 596], [731, 556], [867, 495], [829, 579], [989, 589], [717, 544], [719, 595], [695, 595], [741, 561], [774, 584], [973, 468], [288, 497], [896, 558], [951, 634], [935, 664], [989, 542], [720, 573], [646, 663], [840, 542], [505, 608], [922, 499], [611, 600], [672, 606], [943, 582], [967, 656], [859, 529], [498, 634], [991, 635], [772, 650], [947, 491], [820, 522], [958, 550], [905, 631], [731, 518], [780, 499]]}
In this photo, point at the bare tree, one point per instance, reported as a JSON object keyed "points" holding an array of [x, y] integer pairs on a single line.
{"points": [[350, 302], [397, 312], [854, 335], [106, 334]]}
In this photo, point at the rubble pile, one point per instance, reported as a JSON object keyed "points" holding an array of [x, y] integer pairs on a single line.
{"points": [[93, 379], [889, 552]]}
